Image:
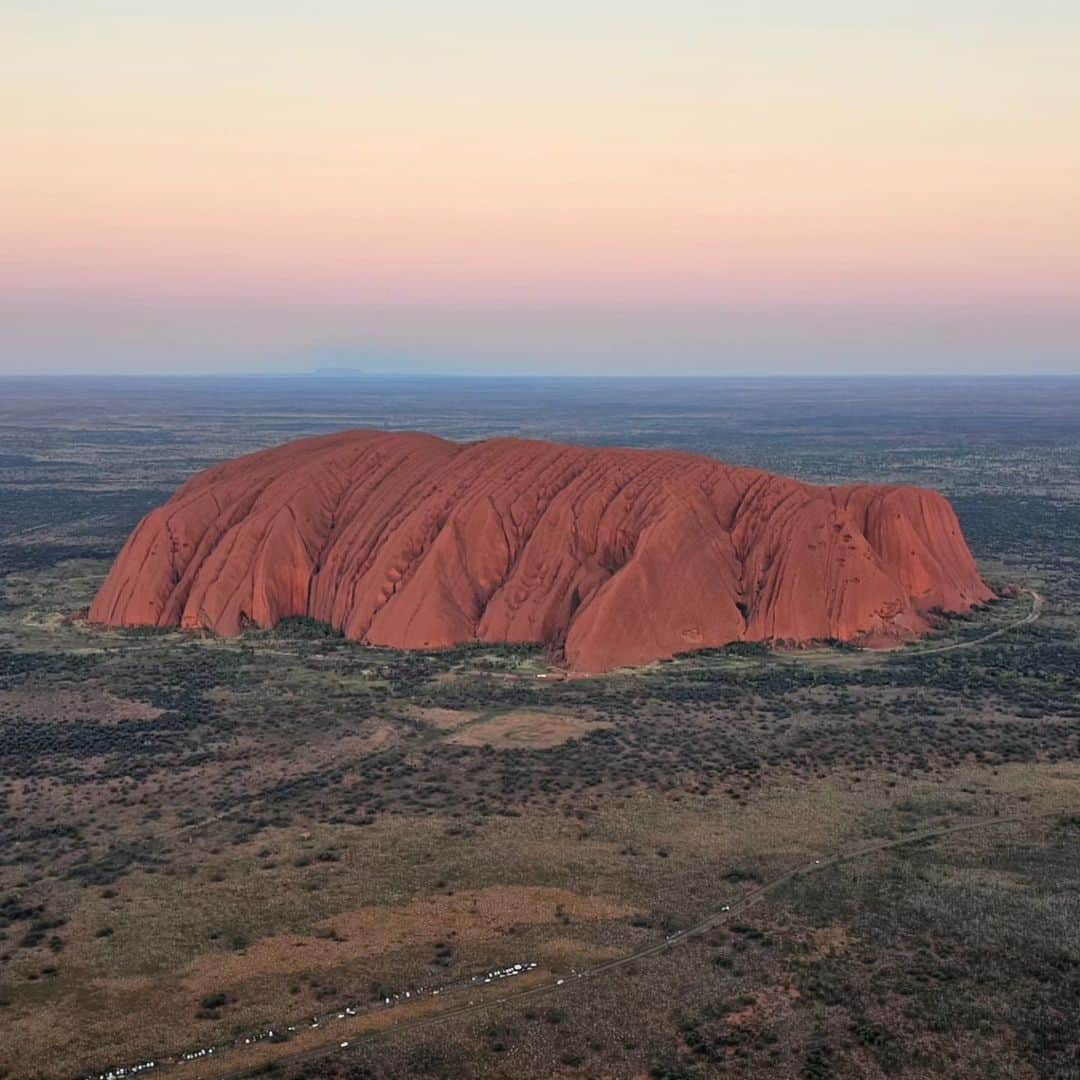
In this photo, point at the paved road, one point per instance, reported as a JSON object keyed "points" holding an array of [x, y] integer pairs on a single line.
{"points": [[711, 922]]}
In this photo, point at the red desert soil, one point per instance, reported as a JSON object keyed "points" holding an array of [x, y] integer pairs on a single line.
{"points": [[610, 557]]}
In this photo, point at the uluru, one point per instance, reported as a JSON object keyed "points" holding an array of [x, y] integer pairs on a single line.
{"points": [[608, 557]]}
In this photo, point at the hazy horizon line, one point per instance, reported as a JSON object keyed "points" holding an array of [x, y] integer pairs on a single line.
{"points": [[347, 375]]}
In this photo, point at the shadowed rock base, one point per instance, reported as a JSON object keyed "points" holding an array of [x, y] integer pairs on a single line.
{"points": [[609, 557]]}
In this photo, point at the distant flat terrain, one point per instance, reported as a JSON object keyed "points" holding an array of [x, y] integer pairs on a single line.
{"points": [[272, 845]]}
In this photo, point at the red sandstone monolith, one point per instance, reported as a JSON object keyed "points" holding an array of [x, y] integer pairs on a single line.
{"points": [[609, 557]]}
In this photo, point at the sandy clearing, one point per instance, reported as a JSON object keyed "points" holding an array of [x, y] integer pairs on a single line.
{"points": [[87, 703], [525, 730], [373, 931]]}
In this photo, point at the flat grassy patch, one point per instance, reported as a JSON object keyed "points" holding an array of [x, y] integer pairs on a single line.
{"points": [[525, 729]]}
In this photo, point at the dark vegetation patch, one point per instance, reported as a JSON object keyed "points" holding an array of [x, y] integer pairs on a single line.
{"points": [[46, 509], [18, 558], [971, 948]]}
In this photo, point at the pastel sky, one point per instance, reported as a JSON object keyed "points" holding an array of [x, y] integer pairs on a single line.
{"points": [[625, 186]]}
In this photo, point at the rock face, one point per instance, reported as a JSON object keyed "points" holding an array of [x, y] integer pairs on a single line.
{"points": [[609, 557]]}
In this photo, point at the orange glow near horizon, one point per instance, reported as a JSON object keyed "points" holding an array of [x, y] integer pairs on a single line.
{"points": [[356, 165]]}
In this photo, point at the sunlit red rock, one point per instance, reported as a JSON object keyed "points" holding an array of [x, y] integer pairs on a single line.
{"points": [[608, 557]]}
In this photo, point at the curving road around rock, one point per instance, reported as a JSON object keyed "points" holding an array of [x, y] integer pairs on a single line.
{"points": [[868, 656], [1033, 615]]}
